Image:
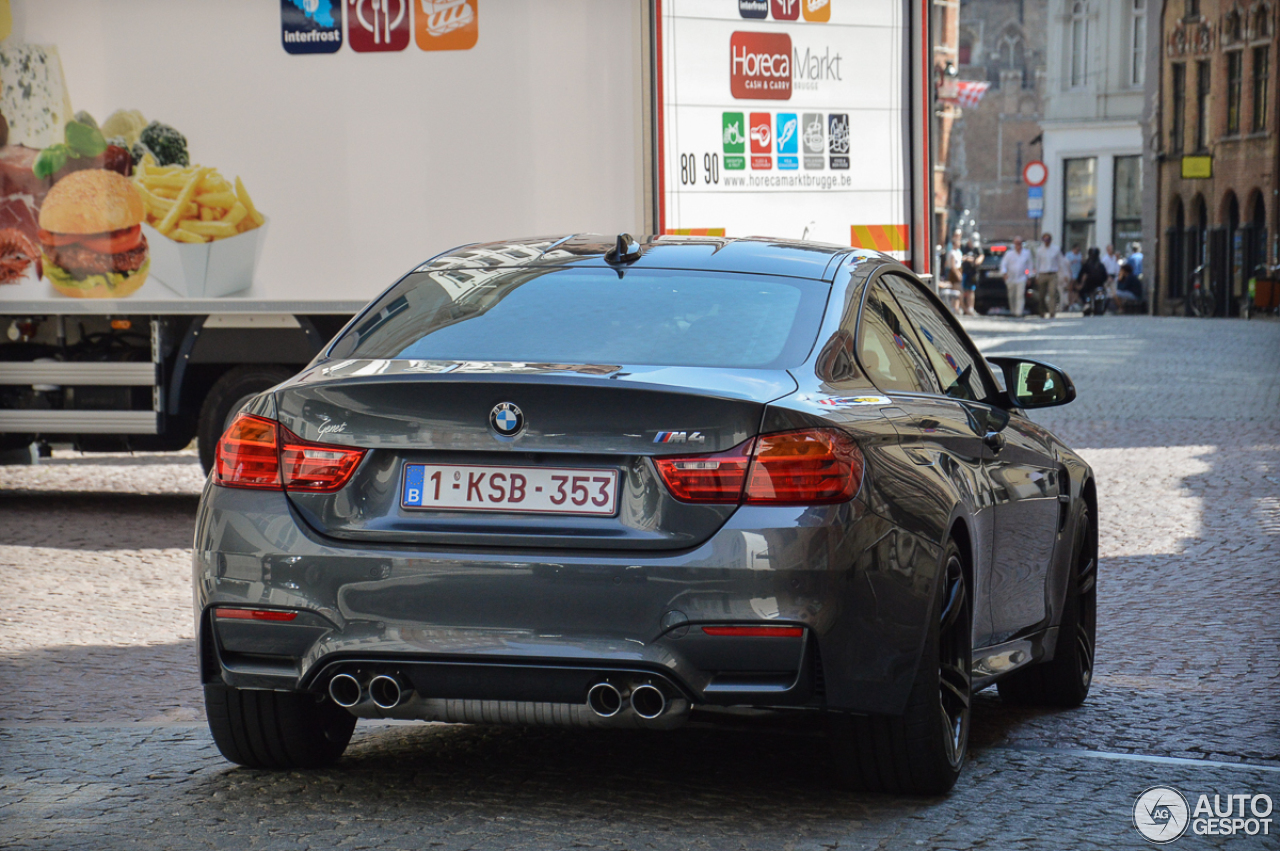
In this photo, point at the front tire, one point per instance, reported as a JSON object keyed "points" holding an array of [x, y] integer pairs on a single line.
{"points": [[277, 730], [922, 751], [1065, 680]]}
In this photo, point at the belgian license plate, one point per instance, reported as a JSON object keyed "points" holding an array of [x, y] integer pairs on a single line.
{"points": [[534, 490]]}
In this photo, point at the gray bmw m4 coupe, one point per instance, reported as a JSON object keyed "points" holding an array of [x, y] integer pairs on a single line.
{"points": [[596, 481]]}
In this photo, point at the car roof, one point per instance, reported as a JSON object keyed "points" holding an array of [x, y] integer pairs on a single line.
{"points": [[746, 255]]}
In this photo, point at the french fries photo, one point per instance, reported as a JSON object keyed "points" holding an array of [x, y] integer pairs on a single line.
{"points": [[194, 203]]}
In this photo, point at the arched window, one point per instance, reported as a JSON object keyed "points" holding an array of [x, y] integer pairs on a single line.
{"points": [[1262, 21], [1233, 29], [1078, 56]]}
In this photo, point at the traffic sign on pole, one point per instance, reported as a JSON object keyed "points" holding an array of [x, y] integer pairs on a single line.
{"points": [[1035, 173]]}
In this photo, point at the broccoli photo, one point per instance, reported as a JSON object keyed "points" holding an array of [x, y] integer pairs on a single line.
{"points": [[166, 144]]}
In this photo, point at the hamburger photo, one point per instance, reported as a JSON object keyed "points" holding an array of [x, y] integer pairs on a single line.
{"points": [[91, 235]]}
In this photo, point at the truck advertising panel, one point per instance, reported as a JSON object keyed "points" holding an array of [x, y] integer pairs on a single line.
{"points": [[787, 118], [169, 154]]}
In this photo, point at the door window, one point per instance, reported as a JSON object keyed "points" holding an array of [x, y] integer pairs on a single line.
{"points": [[887, 349], [954, 361]]}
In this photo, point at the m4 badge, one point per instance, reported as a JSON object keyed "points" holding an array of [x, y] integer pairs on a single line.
{"points": [[680, 437]]}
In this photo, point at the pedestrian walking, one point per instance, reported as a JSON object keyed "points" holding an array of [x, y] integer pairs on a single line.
{"points": [[1135, 258], [1015, 266], [1112, 261], [1074, 261], [969, 266], [1092, 284], [1050, 264], [954, 272]]}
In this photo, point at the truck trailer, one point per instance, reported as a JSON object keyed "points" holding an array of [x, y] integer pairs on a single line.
{"points": [[195, 197]]}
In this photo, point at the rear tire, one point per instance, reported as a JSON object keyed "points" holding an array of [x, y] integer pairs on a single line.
{"points": [[1065, 680], [278, 730], [922, 751], [228, 393]]}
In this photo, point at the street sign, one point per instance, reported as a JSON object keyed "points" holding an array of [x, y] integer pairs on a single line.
{"points": [[1035, 202], [1035, 192], [1035, 173]]}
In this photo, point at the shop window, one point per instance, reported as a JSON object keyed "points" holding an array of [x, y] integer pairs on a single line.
{"points": [[1080, 212], [1126, 202]]}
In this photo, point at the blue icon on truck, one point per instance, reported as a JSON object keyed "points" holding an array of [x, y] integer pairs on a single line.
{"points": [[311, 26]]}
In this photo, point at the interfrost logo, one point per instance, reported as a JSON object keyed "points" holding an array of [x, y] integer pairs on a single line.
{"points": [[760, 66], [1161, 814]]}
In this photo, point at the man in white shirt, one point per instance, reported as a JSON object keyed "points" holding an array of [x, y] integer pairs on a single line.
{"points": [[1111, 261], [1015, 266], [952, 271], [1049, 265]]}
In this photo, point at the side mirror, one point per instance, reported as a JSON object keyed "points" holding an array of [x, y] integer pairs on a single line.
{"points": [[1034, 384]]}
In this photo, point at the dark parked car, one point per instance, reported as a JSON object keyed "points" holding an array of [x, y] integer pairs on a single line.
{"points": [[992, 292], [599, 482]]}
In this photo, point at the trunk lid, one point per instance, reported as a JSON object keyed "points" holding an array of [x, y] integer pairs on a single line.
{"points": [[606, 419]]}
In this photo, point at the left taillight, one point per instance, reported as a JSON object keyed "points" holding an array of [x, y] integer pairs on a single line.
{"points": [[247, 456], [315, 467], [256, 452]]}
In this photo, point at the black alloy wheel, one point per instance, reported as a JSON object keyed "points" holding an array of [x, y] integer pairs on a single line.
{"points": [[1065, 680], [922, 751], [955, 662], [1086, 598]]}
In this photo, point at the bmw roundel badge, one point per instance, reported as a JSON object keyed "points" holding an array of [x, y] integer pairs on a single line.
{"points": [[506, 419]]}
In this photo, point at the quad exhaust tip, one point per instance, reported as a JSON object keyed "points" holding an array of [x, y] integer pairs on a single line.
{"points": [[648, 702], [605, 700], [345, 690], [385, 691]]}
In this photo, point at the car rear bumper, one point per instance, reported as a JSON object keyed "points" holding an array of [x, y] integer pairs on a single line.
{"points": [[542, 626]]}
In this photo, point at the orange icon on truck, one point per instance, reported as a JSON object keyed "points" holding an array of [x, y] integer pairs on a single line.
{"points": [[446, 24]]}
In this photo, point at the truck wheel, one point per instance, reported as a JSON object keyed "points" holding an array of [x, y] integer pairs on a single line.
{"points": [[276, 729], [922, 751], [225, 399], [1065, 680]]}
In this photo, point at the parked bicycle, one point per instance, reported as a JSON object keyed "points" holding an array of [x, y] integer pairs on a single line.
{"points": [[1200, 302]]}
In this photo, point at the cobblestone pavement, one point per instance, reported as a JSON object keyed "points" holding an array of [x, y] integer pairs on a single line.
{"points": [[102, 743]]}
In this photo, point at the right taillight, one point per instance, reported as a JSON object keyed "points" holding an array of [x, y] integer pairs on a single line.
{"points": [[246, 456], [803, 467], [807, 467]]}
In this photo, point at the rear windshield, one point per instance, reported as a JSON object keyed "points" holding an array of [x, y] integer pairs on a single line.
{"points": [[592, 316]]}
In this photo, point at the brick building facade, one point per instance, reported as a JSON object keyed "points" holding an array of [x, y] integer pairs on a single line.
{"points": [[1001, 42], [1214, 127], [945, 27]]}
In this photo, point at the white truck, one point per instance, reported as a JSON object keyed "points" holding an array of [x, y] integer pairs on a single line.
{"points": [[195, 197]]}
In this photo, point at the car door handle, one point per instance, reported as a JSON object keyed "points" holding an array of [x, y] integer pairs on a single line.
{"points": [[994, 441]]}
